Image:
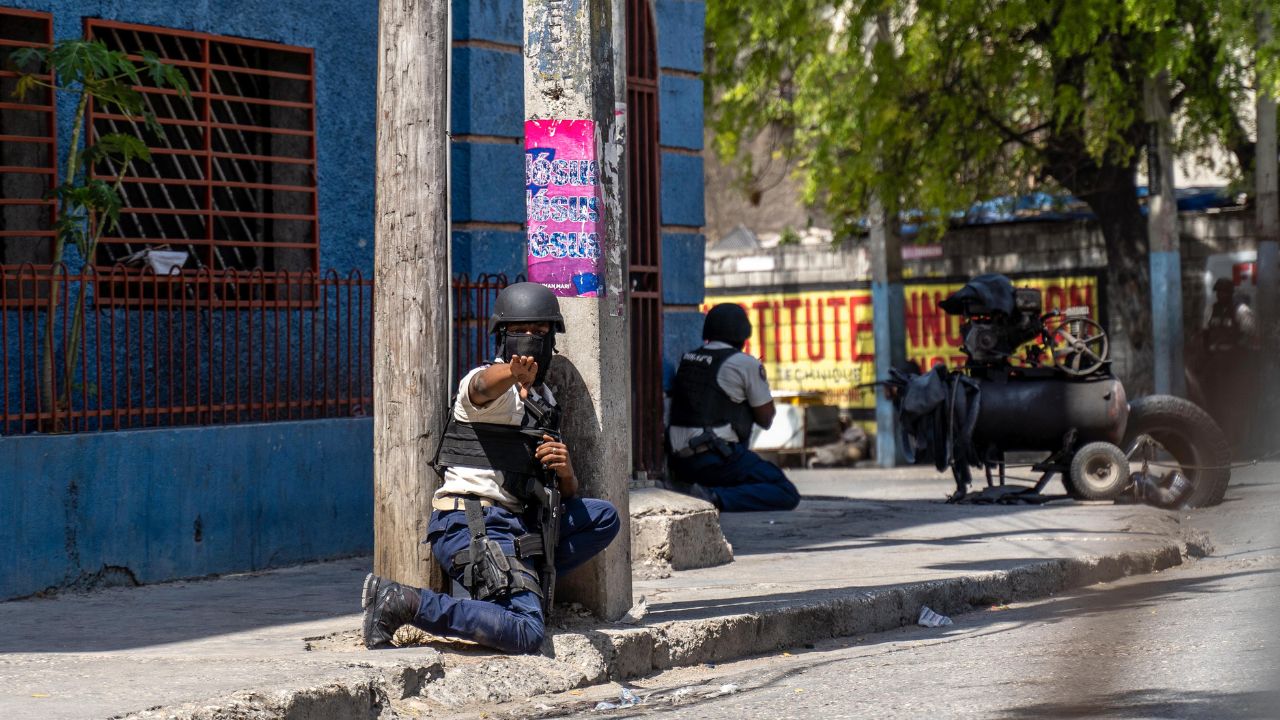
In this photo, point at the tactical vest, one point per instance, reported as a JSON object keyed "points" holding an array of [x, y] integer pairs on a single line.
{"points": [[488, 572], [697, 400], [493, 446], [1223, 332]]}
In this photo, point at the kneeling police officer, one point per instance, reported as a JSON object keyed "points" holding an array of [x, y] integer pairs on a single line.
{"points": [[505, 472], [718, 393]]}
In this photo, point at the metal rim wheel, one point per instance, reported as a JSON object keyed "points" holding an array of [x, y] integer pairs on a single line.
{"points": [[1083, 346], [1099, 471], [1173, 433]]}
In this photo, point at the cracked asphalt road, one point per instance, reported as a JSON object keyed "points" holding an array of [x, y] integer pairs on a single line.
{"points": [[1199, 641]]}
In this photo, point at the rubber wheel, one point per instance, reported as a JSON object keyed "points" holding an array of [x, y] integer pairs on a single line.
{"points": [[1099, 471], [1191, 436]]}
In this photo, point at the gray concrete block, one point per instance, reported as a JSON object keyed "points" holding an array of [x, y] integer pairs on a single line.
{"points": [[671, 531]]}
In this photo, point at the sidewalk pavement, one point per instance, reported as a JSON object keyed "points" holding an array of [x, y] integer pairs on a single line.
{"points": [[863, 552]]}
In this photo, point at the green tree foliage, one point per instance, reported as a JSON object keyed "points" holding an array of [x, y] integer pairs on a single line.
{"points": [[932, 105]]}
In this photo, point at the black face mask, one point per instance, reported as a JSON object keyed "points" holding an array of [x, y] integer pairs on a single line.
{"points": [[540, 347]]}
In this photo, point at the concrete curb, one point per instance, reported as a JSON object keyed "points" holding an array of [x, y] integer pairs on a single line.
{"points": [[582, 658]]}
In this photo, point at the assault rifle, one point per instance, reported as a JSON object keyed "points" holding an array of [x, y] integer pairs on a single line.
{"points": [[546, 493]]}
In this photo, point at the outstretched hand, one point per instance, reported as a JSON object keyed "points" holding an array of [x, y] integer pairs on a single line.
{"points": [[524, 369]]}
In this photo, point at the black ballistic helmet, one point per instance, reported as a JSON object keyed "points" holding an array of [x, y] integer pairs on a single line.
{"points": [[728, 323], [526, 302]]}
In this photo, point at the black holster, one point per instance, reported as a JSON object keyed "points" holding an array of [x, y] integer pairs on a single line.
{"points": [[488, 573]]}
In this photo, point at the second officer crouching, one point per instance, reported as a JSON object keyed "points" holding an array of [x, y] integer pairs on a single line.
{"points": [[718, 393], [486, 527]]}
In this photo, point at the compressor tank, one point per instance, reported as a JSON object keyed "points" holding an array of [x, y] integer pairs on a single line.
{"points": [[1037, 413]]}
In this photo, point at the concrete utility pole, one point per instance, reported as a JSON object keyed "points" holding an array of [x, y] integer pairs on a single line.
{"points": [[1162, 234], [888, 326], [574, 149], [411, 282], [889, 307], [1268, 200]]}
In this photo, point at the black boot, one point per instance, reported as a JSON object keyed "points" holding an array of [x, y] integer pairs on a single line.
{"points": [[387, 605]]}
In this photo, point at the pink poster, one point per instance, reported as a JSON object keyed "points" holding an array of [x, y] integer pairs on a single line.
{"points": [[562, 183]]}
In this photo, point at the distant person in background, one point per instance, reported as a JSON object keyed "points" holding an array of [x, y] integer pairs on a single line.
{"points": [[718, 394], [1228, 372]]}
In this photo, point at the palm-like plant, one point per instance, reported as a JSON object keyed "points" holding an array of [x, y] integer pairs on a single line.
{"points": [[89, 206]]}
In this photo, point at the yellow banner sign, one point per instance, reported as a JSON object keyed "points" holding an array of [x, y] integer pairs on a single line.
{"points": [[821, 341]]}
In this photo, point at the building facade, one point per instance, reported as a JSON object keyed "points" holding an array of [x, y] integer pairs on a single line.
{"points": [[196, 396]]}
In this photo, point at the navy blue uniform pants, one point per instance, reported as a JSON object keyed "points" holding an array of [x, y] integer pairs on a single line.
{"points": [[742, 482], [513, 624]]}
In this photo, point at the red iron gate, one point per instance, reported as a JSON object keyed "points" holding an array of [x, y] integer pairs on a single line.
{"points": [[645, 238]]}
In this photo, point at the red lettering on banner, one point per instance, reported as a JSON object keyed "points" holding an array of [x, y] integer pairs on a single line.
{"points": [[777, 334], [913, 320], [1056, 298], [836, 303], [954, 339], [1081, 296], [759, 306], [933, 319], [808, 332], [793, 304], [855, 327]]}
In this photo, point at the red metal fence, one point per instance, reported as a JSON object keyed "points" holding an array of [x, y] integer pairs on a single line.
{"points": [[129, 349], [181, 349]]}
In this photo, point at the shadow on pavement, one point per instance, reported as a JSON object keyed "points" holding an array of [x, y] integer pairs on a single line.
{"points": [[818, 522], [135, 617], [1157, 703]]}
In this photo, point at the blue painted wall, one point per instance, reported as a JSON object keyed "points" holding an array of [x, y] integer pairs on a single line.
{"points": [[680, 105], [166, 504], [683, 272], [680, 42], [683, 330], [488, 182], [344, 37], [264, 495], [680, 30], [680, 206], [488, 129]]}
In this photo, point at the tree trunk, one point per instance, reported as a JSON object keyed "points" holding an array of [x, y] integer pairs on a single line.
{"points": [[411, 282], [1267, 205], [1114, 200], [1267, 210]]}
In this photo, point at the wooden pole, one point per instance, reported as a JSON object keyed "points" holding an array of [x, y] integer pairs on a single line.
{"points": [[411, 281]]}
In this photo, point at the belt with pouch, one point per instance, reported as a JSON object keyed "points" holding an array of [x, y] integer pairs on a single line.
{"points": [[455, 502], [708, 447]]}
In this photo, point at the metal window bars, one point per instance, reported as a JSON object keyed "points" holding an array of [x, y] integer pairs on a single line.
{"points": [[28, 147], [232, 183]]}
